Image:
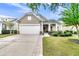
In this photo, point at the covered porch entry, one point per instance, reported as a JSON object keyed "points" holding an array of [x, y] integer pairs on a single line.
{"points": [[49, 27]]}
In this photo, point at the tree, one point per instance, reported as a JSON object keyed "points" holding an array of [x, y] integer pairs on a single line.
{"points": [[70, 16], [9, 24], [52, 6]]}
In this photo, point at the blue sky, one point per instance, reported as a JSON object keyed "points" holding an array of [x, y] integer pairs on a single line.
{"points": [[17, 10]]}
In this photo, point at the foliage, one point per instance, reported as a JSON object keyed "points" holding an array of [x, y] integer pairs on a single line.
{"points": [[9, 24], [60, 33], [51, 6], [70, 16], [75, 32], [8, 31]]}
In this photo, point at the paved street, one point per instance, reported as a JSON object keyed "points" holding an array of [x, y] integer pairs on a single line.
{"points": [[21, 45]]}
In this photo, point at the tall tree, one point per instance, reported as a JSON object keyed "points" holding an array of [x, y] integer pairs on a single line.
{"points": [[51, 6], [70, 16]]}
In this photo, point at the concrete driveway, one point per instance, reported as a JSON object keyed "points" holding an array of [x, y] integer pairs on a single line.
{"points": [[21, 45]]}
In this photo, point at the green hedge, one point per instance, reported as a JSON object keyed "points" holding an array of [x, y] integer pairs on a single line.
{"points": [[8, 31], [68, 31], [66, 34], [75, 32], [54, 34], [62, 34]]}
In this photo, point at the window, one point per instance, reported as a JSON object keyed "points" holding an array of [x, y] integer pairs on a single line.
{"points": [[3, 27], [29, 17]]}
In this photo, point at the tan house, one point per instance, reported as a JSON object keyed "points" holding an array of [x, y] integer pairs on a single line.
{"points": [[32, 23]]}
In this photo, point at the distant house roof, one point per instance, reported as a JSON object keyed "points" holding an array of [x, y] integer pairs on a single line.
{"points": [[53, 21], [7, 19]]}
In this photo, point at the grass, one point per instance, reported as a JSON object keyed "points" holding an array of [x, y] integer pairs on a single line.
{"points": [[60, 46], [4, 35]]}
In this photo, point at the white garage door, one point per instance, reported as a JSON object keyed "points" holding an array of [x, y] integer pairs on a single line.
{"points": [[29, 29]]}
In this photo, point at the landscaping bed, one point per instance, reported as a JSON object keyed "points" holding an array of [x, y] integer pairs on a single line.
{"points": [[62, 34]]}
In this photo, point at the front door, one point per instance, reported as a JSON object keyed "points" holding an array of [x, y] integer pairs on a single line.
{"points": [[45, 27]]}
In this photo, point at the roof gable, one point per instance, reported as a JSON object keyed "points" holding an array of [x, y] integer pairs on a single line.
{"points": [[39, 16], [34, 19]]}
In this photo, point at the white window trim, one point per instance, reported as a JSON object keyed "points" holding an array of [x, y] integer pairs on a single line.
{"points": [[29, 17]]}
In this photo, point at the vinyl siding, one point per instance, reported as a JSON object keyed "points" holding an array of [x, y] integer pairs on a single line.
{"points": [[33, 20]]}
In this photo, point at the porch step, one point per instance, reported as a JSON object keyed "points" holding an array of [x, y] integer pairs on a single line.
{"points": [[46, 35]]}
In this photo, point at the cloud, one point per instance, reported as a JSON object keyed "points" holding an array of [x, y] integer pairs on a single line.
{"points": [[23, 8], [22, 11], [5, 16], [19, 5]]}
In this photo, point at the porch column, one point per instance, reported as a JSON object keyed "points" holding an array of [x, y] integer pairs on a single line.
{"points": [[49, 27], [41, 26], [60, 27], [56, 27]]}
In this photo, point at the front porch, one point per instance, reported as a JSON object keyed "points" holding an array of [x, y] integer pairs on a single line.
{"points": [[49, 27]]}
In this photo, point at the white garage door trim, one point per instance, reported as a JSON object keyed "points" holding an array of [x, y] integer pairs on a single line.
{"points": [[28, 24], [29, 28]]}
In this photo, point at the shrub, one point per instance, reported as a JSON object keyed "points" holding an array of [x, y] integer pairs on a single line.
{"points": [[59, 32], [75, 32], [5, 31], [8, 31], [54, 34], [66, 34], [71, 32], [14, 31], [68, 31], [62, 34]]}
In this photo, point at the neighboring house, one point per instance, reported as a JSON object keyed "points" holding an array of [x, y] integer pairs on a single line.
{"points": [[4, 27], [0, 27], [32, 23], [64, 27]]}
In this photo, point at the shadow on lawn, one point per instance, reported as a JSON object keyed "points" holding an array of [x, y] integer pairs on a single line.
{"points": [[74, 40]]}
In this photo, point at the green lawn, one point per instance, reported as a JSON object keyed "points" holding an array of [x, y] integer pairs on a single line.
{"points": [[60, 46], [4, 35]]}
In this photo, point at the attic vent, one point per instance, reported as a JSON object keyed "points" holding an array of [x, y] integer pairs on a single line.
{"points": [[29, 17]]}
